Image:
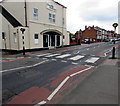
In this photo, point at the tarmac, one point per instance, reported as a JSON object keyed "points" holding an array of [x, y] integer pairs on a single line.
{"points": [[101, 87]]}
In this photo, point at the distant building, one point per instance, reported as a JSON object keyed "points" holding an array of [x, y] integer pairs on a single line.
{"points": [[94, 34], [44, 24]]}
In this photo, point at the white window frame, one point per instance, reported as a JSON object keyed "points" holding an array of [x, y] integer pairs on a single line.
{"points": [[36, 40], [15, 37], [35, 13], [52, 17]]}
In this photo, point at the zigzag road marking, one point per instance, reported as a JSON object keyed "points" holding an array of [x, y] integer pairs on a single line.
{"points": [[61, 85]]}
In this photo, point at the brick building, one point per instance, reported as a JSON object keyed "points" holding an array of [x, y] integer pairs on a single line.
{"points": [[89, 33], [94, 34]]}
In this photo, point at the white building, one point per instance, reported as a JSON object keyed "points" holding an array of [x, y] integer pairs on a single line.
{"points": [[119, 17], [44, 24]]}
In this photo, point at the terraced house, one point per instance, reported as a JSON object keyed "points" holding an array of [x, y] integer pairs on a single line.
{"points": [[34, 24]]}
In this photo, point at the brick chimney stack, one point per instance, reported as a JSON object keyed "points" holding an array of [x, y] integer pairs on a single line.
{"points": [[86, 27]]}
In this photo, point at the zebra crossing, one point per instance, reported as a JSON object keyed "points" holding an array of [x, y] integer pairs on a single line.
{"points": [[74, 58]]}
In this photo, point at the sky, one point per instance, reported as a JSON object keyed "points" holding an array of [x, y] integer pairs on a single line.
{"points": [[102, 13]]}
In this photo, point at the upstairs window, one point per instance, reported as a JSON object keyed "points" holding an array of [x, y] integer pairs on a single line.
{"points": [[35, 13], [52, 17], [63, 21]]}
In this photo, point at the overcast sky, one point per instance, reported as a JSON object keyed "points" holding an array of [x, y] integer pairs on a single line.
{"points": [[102, 13]]}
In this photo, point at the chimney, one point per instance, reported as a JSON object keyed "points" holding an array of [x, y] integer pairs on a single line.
{"points": [[86, 27]]}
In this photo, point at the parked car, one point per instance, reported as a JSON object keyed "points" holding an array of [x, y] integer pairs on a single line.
{"points": [[107, 40], [85, 40]]}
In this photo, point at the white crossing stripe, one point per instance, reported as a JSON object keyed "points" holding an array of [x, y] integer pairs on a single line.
{"points": [[43, 54], [64, 61], [76, 57], [74, 63], [52, 55], [92, 60], [63, 56], [54, 60]]}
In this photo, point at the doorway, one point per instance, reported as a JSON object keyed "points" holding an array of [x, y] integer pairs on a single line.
{"points": [[51, 39]]}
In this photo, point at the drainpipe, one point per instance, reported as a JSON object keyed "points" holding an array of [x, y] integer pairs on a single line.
{"points": [[25, 14]]}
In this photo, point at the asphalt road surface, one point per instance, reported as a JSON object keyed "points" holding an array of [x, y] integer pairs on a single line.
{"points": [[48, 77]]}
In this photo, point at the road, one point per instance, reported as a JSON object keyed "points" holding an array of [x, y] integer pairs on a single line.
{"points": [[48, 77]]}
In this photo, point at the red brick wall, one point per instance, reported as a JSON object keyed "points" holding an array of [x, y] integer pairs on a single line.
{"points": [[92, 33]]}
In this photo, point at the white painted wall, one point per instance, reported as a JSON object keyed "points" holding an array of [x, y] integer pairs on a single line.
{"points": [[119, 17], [35, 25]]}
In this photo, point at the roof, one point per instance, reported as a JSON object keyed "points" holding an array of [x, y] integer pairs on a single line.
{"points": [[59, 4]]}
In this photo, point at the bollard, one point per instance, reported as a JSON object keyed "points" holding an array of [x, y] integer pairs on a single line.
{"points": [[113, 41], [23, 50], [113, 53]]}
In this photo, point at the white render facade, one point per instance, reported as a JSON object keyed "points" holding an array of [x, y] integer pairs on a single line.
{"points": [[44, 24], [119, 17]]}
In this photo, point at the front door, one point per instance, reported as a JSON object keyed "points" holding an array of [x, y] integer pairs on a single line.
{"points": [[52, 40], [45, 40]]}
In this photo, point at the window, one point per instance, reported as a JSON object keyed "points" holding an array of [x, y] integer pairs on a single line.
{"points": [[35, 13], [63, 21], [52, 17], [3, 35], [15, 37], [36, 39]]}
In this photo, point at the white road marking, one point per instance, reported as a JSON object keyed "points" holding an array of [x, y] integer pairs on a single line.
{"points": [[92, 60], [58, 88], [107, 52], [87, 65], [52, 55], [64, 61], [80, 71], [63, 56], [42, 103], [74, 63], [76, 57], [24, 67], [44, 58], [53, 59], [61, 85], [43, 54]]}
